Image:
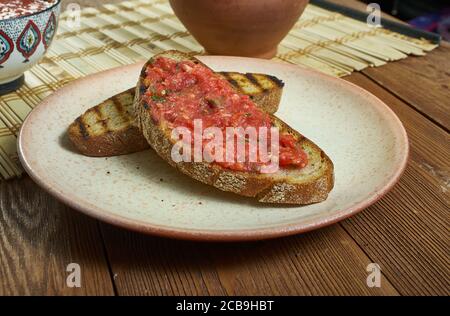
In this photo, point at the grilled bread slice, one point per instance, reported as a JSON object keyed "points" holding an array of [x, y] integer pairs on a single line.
{"points": [[108, 129], [294, 186]]}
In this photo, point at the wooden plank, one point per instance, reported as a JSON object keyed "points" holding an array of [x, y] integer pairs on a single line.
{"points": [[146, 265], [424, 83], [407, 234], [39, 237], [319, 263], [323, 262], [407, 231]]}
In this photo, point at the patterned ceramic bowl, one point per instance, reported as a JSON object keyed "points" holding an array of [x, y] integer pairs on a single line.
{"points": [[24, 41]]}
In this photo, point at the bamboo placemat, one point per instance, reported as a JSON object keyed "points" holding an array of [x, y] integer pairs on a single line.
{"points": [[121, 34]]}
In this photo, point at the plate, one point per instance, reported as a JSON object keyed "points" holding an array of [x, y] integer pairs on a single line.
{"points": [[363, 137]]}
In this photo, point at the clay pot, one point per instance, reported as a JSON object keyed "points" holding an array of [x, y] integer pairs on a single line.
{"points": [[251, 28]]}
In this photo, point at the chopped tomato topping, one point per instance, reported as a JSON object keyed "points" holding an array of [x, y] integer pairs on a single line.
{"points": [[180, 92]]}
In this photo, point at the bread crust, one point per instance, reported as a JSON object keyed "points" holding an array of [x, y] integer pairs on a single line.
{"points": [[290, 189], [108, 144]]}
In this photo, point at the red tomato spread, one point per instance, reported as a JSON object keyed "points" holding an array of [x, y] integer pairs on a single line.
{"points": [[180, 92], [16, 8]]}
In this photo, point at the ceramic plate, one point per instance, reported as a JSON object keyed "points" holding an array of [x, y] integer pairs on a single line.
{"points": [[363, 137]]}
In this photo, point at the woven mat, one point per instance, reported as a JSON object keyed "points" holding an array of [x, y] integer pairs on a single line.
{"points": [[116, 35]]}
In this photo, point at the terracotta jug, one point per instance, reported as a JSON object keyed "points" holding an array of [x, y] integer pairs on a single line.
{"points": [[252, 28]]}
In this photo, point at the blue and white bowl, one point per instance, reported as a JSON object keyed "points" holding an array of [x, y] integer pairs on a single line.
{"points": [[23, 42]]}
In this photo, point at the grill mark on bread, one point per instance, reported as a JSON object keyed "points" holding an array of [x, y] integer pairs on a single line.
{"points": [[245, 81], [231, 80], [279, 83], [243, 85], [115, 100], [100, 118], [118, 106], [83, 130], [255, 81], [98, 113]]}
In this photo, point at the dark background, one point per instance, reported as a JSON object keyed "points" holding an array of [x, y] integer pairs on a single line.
{"points": [[429, 15], [410, 9]]}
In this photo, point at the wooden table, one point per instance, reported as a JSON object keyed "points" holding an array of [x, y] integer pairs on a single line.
{"points": [[406, 233]]}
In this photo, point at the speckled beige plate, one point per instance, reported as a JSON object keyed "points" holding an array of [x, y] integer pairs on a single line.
{"points": [[363, 137]]}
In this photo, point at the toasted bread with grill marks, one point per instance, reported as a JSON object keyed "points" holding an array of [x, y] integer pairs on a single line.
{"points": [[108, 129], [293, 186]]}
